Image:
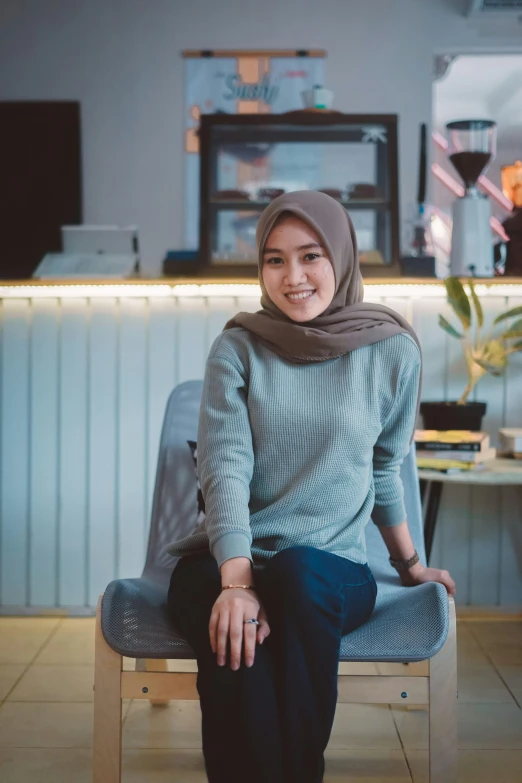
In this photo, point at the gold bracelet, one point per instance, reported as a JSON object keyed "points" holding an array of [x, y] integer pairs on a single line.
{"points": [[245, 587]]}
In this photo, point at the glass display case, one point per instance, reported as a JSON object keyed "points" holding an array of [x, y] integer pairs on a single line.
{"points": [[249, 159]]}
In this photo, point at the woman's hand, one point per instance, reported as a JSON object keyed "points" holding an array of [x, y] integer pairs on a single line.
{"points": [[420, 574], [227, 620]]}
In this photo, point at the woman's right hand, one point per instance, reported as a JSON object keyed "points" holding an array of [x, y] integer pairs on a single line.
{"points": [[227, 620]]}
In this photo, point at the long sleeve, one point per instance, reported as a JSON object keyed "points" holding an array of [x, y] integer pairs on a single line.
{"points": [[225, 458], [393, 444]]}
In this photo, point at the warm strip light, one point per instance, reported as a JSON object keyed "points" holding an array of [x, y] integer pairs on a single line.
{"points": [[430, 291], [212, 290], [66, 291]]}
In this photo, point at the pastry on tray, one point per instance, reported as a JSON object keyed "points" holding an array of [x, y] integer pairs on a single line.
{"points": [[363, 190], [269, 193], [232, 195]]}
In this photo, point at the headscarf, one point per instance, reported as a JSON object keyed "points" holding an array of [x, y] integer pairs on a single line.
{"points": [[347, 323]]}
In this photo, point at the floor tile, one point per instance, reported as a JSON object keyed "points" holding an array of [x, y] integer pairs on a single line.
{"points": [[366, 766], [176, 725], [494, 634], [22, 637], [501, 641], [9, 674], [512, 676], [505, 655], [474, 766], [45, 725], [45, 765], [55, 683], [468, 647], [480, 683], [164, 766], [73, 643], [363, 726], [482, 726]]}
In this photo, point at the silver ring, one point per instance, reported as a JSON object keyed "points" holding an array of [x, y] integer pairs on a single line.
{"points": [[253, 620]]}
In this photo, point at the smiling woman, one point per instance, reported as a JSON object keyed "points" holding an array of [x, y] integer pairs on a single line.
{"points": [[297, 271]]}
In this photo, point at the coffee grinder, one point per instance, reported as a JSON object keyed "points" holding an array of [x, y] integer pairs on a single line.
{"points": [[471, 148]]}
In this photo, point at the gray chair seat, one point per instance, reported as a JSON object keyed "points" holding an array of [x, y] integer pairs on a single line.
{"points": [[408, 624], [136, 624]]}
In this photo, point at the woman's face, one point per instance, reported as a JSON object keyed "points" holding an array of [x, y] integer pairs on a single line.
{"points": [[294, 261]]}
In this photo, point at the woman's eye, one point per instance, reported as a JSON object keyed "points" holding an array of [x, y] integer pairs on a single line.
{"points": [[311, 256], [270, 260]]}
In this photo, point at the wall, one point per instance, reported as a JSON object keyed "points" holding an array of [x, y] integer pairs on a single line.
{"points": [[122, 60], [84, 382]]}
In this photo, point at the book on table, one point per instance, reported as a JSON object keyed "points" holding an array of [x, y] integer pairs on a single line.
{"points": [[452, 440], [464, 457], [449, 465]]}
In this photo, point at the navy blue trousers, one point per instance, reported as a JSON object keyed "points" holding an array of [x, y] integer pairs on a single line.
{"points": [[271, 722]]}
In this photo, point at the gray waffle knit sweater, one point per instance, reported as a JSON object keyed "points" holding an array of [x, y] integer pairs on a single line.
{"points": [[306, 454]]}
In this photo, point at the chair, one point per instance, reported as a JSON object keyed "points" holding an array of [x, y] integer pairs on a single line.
{"points": [[408, 626]]}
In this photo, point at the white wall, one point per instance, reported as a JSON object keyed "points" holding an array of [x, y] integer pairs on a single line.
{"points": [[122, 60]]}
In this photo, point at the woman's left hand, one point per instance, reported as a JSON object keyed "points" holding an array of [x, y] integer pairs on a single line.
{"points": [[420, 574]]}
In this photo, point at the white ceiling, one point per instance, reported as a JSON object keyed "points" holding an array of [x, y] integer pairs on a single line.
{"points": [[483, 87]]}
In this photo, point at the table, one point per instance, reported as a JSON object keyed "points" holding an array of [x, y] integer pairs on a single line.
{"points": [[498, 472]]}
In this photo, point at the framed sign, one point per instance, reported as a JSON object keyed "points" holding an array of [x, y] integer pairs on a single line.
{"points": [[238, 82]]}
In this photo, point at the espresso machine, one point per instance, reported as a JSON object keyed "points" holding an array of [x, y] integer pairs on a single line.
{"points": [[471, 148]]}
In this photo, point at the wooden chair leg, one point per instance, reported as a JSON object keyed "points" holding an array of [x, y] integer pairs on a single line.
{"points": [[418, 669], [443, 752], [107, 709], [153, 665]]}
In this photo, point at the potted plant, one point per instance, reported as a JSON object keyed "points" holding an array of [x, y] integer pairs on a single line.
{"points": [[484, 353]]}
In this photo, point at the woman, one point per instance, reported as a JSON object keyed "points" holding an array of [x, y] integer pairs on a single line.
{"points": [[308, 409]]}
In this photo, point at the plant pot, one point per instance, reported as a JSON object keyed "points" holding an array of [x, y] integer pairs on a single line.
{"points": [[450, 416]]}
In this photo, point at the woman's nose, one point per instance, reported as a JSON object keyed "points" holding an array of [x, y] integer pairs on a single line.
{"points": [[295, 275]]}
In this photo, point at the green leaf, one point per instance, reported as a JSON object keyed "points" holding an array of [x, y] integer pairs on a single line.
{"points": [[515, 330], [490, 368], [476, 303], [458, 300], [508, 314], [493, 353], [444, 324]]}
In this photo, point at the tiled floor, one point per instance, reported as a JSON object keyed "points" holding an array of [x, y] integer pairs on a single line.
{"points": [[46, 676]]}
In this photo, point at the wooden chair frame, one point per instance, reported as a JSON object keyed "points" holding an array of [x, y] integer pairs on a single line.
{"points": [[430, 684]]}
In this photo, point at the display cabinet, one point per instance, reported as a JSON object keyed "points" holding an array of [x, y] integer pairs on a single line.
{"points": [[249, 159]]}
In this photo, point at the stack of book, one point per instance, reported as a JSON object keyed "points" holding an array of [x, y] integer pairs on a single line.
{"points": [[452, 450]]}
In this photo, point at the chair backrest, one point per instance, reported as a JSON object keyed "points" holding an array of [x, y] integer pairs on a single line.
{"points": [[174, 508]]}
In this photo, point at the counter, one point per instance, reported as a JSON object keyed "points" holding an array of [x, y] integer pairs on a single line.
{"points": [[86, 369]]}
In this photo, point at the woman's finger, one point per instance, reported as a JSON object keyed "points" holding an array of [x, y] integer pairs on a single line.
{"points": [[263, 629], [448, 582], [249, 640], [236, 636], [222, 636], [212, 628]]}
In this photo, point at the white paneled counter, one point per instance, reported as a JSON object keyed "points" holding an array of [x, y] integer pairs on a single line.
{"points": [[86, 370]]}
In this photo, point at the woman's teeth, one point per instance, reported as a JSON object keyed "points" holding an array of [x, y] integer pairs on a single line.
{"points": [[304, 295]]}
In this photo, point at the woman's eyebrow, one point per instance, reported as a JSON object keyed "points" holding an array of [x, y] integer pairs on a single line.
{"points": [[301, 247]]}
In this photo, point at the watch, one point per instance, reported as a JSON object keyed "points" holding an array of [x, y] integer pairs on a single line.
{"points": [[403, 565]]}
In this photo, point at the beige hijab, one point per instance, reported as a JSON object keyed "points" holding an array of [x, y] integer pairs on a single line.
{"points": [[347, 323]]}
